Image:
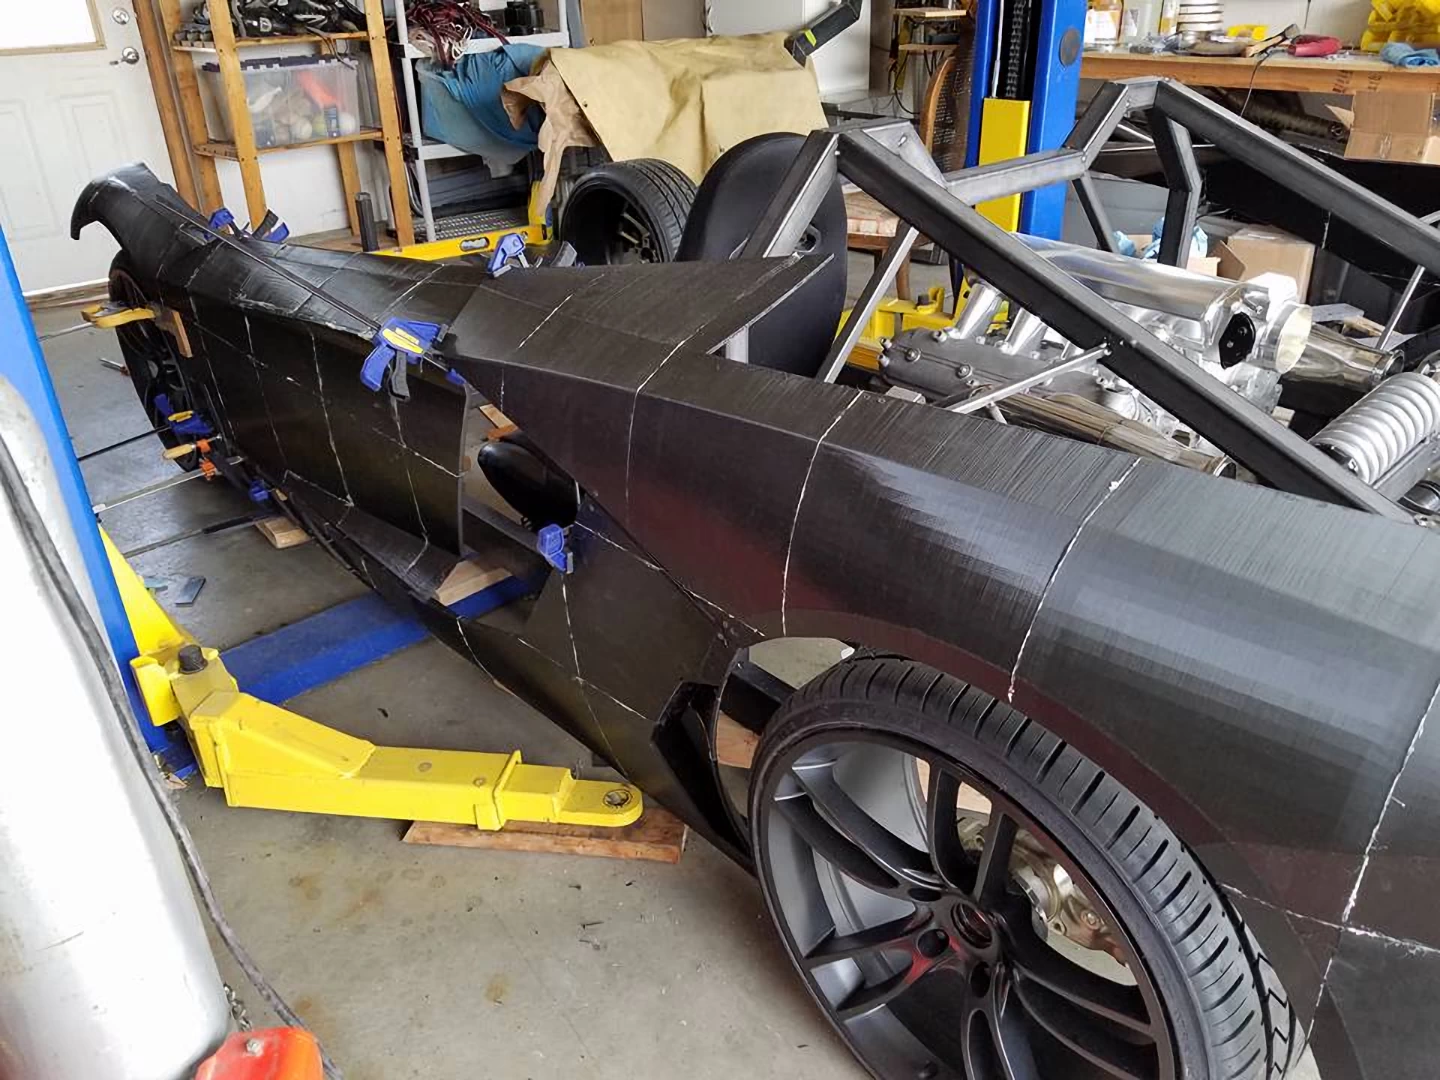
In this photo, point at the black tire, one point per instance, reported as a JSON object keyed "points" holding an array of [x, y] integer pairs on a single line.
{"points": [[151, 360], [1226, 1015], [628, 211]]}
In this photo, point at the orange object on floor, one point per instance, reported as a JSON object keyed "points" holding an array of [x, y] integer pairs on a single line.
{"points": [[272, 1054]]}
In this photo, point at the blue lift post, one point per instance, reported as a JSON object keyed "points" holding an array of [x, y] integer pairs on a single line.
{"points": [[23, 364], [1045, 43]]}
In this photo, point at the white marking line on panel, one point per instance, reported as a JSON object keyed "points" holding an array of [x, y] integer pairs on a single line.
{"points": [[1385, 809], [553, 312], [575, 652], [325, 412], [790, 545], [1370, 850], [634, 408], [619, 547], [1020, 655]]}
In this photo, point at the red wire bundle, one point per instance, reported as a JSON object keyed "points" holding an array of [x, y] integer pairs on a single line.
{"points": [[449, 24]]}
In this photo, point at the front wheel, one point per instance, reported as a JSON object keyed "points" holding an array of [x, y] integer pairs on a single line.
{"points": [[967, 896]]}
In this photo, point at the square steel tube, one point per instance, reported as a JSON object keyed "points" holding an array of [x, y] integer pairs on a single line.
{"points": [[1309, 179], [1275, 454]]}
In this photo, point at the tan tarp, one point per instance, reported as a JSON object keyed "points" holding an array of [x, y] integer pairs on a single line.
{"points": [[564, 124], [685, 101]]}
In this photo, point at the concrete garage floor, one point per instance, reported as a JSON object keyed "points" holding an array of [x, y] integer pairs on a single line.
{"points": [[433, 962]]}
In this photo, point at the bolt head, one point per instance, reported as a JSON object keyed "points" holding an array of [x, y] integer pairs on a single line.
{"points": [[253, 1047], [618, 797]]}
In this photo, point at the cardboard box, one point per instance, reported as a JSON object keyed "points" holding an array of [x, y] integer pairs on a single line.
{"points": [[1257, 249], [1396, 126], [1209, 265]]}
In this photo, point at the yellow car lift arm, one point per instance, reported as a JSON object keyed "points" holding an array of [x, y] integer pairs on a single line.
{"points": [[264, 756]]}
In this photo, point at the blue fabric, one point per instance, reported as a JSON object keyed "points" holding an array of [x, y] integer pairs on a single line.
{"points": [[475, 84], [1402, 54]]}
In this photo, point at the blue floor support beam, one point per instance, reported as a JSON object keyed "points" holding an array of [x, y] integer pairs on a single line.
{"points": [[284, 664]]}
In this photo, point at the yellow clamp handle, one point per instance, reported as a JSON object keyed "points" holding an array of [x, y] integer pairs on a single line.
{"points": [[402, 340], [107, 316]]}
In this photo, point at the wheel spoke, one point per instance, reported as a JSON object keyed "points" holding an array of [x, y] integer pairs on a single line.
{"points": [[832, 846], [942, 833], [1011, 1030], [992, 875], [1040, 965], [1097, 1043], [898, 935], [864, 1000], [902, 863]]}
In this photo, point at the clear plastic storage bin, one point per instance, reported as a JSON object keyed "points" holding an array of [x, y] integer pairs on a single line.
{"points": [[296, 99]]}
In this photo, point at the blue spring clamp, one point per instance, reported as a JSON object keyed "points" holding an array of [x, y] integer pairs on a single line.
{"points": [[550, 543], [398, 343], [511, 246]]}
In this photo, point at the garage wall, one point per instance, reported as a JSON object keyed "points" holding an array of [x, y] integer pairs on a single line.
{"points": [[666, 19], [303, 187], [842, 66]]}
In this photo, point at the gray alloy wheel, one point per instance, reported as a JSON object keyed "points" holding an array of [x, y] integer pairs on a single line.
{"points": [[966, 896]]}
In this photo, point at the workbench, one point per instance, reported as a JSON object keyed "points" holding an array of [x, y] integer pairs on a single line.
{"points": [[1328, 75]]}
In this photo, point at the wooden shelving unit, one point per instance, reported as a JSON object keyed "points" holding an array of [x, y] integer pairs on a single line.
{"points": [[243, 150], [291, 39]]}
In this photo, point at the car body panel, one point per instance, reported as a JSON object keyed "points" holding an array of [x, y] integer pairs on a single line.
{"points": [[1254, 665]]}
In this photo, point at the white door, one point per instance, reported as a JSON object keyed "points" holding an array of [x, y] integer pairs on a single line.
{"points": [[75, 101]]}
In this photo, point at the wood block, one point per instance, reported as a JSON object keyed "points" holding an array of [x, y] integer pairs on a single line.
{"points": [[495, 416], [169, 321], [659, 836], [734, 743], [282, 532], [467, 579]]}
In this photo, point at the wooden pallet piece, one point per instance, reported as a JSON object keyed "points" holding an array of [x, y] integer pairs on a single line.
{"points": [[734, 743], [659, 836], [282, 532], [467, 579]]}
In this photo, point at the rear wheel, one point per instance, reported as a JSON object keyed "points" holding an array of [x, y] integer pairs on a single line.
{"points": [[967, 896], [628, 212], [152, 362]]}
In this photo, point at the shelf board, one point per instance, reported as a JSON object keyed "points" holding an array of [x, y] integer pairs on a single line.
{"points": [[227, 149], [930, 14], [288, 39], [550, 39], [433, 150]]}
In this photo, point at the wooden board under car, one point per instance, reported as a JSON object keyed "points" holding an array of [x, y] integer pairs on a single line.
{"points": [[659, 836]]}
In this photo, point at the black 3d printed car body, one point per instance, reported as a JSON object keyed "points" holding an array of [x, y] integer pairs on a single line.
{"points": [[1257, 665]]}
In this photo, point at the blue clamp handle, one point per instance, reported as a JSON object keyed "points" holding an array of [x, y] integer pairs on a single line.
{"points": [[550, 542], [396, 338], [195, 426], [259, 493], [222, 219], [511, 245]]}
